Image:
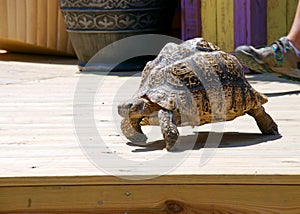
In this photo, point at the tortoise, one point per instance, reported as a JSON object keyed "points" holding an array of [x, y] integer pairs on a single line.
{"points": [[191, 84]]}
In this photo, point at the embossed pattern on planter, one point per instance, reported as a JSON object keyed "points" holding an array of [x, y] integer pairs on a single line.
{"points": [[112, 15], [109, 4], [111, 20]]}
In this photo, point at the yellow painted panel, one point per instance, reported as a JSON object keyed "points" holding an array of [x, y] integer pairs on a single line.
{"points": [[209, 20], [276, 19], [290, 13], [225, 25]]}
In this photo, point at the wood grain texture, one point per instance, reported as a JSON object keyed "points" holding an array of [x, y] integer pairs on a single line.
{"points": [[12, 17], [34, 26], [31, 22], [209, 20], [276, 19], [52, 14], [3, 18], [257, 24], [43, 167], [179, 179], [225, 25], [40, 140], [290, 12], [216, 22], [241, 17], [21, 20], [42, 10], [280, 18], [146, 198], [191, 19]]}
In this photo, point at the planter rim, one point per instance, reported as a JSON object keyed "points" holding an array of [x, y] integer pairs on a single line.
{"points": [[113, 4], [111, 31], [74, 9]]}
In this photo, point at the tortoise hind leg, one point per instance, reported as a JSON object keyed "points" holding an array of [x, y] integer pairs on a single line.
{"points": [[264, 121], [168, 128]]}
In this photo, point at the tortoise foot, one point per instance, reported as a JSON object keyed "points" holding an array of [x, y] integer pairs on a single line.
{"points": [[168, 128], [264, 121], [132, 130]]}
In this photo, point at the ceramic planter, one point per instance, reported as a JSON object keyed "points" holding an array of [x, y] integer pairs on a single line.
{"points": [[93, 24]]}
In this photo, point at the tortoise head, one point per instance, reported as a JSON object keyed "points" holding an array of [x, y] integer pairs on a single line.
{"points": [[132, 108], [137, 108]]}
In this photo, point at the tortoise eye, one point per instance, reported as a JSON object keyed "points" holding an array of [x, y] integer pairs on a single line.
{"points": [[129, 105]]}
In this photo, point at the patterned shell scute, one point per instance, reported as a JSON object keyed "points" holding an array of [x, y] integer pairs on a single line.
{"points": [[203, 45], [196, 78]]}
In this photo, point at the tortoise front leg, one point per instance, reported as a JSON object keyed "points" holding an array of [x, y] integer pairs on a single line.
{"points": [[264, 121], [132, 130], [168, 128]]}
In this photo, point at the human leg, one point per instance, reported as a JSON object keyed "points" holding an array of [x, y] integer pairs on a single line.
{"points": [[281, 57], [294, 34]]}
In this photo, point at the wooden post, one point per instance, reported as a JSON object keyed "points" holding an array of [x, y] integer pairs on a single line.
{"points": [[250, 22], [191, 19], [225, 25], [209, 20], [212, 20]]}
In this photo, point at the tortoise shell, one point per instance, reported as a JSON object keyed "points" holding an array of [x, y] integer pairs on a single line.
{"points": [[195, 78]]}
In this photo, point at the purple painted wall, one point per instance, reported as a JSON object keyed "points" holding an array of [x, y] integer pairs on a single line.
{"points": [[190, 19], [250, 22]]}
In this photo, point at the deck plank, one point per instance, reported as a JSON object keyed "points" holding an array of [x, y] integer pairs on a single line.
{"points": [[37, 128], [40, 151]]}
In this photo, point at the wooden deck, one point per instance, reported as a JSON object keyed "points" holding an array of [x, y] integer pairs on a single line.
{"points": [[45, 167]]}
